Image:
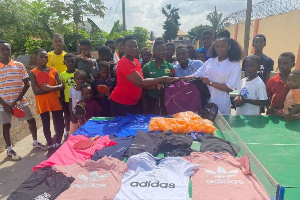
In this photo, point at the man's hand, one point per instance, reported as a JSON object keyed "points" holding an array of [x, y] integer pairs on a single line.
{"points": [[205, 80]]}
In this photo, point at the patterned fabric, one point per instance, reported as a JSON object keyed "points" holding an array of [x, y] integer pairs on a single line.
{"points": [[11, 82]]}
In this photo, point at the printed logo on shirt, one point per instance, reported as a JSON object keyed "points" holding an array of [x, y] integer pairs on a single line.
{"points": [[152, 184], [167, 71], [244, 92], [71, 82], [44, 196], [152, 72], [261, 70], [155, 179], [223, 177], [89, 181]]}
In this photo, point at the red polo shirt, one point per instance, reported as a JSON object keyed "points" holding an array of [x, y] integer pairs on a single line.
{"points": [[276, 86], [125, 91]]}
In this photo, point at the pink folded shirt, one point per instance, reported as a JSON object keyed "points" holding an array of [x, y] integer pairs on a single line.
{"points": [[222, 176], [94, 180], [66, 155]]}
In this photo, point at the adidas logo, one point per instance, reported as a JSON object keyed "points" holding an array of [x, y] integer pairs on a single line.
{"points": [[152, 184], [89, 181], [223, 177]]}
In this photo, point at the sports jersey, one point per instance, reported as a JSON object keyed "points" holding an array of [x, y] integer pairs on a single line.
{"points": [[192, 67], [116, 151], [125, 91], [150, 177], [215, 144], [67, 155], [57, 61], [43, 184], [99, 180], [122, 126], [255, 90], [221, 176], [150, 70], [68, 81]]}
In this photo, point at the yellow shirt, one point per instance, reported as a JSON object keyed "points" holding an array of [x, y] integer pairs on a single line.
{"points": [[68, 81], [57, 61]]}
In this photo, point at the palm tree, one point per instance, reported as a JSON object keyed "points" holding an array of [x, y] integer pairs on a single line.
{"points": [[216, 21]]}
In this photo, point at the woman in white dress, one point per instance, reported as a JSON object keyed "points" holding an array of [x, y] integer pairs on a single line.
{"points": [[222, 72]]}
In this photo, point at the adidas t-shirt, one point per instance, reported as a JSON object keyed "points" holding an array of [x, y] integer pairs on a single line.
{"points": [[156, 178], [99, 180], [221, 176]]}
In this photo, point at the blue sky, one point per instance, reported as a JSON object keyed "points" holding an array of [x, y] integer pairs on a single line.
{"points": [[147, 13]]}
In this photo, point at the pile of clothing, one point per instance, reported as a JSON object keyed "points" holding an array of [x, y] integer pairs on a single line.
{"points": [[159, 166]]}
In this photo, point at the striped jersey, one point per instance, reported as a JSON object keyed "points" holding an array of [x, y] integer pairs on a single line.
{"points": [[11, 82]]}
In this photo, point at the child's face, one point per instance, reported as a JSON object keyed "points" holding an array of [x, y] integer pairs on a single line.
{"points": [[85, 50], [120, 46], [293, 81], [146, 55], [170, 50], [5, 51], [259, 43], [207, 40], [251, 67], [201, 56], [42, 58], [58, 43], [160, 52], [87, 93], [79, 79], [222, 47], [182, 55], [285, 64], [104, 73], [106, 57], [70, 62]]}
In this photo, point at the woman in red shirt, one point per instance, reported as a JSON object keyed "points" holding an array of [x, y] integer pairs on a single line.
{"points": [[128, 90]]}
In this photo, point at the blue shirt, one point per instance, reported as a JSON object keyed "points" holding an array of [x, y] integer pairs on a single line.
{"points": [[204, 51], [192, 67]]}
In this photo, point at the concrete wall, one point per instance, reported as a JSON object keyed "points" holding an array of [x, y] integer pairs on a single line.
{"points": [[282, 33]]}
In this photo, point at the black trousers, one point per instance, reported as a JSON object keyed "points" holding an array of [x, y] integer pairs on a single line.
{"points": [[58, 121], [118, 109]]}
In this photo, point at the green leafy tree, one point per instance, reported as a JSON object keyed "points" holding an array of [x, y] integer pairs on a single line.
{"points": [[196, 32], [142, 35], [216, 21], [23, 23], [171, 25], [76, 9]]}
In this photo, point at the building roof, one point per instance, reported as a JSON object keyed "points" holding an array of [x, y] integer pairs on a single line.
{"points": [[181, 33]]}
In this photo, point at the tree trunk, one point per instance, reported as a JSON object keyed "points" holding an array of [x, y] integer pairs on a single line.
{"points": [[77, 32]]}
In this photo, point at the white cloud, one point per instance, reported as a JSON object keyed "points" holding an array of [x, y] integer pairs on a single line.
{"points": [[147, 13]]}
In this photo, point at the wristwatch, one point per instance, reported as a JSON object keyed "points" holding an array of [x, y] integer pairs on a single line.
{"points": [[210, 83]]}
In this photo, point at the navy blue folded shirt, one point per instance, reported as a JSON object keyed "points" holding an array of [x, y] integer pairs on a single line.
{"points": [[117, 151]]}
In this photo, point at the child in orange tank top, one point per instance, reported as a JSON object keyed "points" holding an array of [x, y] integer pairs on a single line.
{"points": [[46, 97]]}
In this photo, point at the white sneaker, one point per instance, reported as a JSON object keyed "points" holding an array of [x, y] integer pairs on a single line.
{"points": [[13, 155]]}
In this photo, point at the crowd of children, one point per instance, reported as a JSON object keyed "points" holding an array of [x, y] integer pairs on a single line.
{"points": [[124, 70]]}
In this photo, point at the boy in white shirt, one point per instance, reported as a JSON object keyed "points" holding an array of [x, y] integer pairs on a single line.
{"points": [[253, 93]]}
